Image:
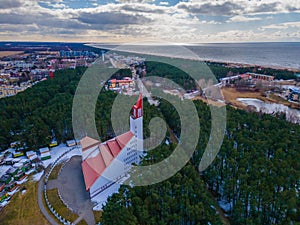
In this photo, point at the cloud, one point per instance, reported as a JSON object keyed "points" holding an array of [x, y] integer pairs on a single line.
{"points": [[14, 18], [282, 26], [225, 8], [142, 8], [135, 1], [238, 7], [8, 4], [193, 21], [211, 22], [164, 3], [240, 18], [111, 18]]}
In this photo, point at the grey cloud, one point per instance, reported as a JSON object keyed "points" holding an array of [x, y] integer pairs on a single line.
{"points": [[8, 4], [42, 19], [134, 8], [105, 18], [226, 8], [18, 28], [81, 21], [14, 18], [292, 8], [229, 8], [271, 7]]}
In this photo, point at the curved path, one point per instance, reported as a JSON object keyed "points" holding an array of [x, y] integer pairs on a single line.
{"points": [[40, 201]]}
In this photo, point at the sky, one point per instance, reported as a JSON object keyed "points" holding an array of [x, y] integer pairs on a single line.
{"points": [[130, 21]]}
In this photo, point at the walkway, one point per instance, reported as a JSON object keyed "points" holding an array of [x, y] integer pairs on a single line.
{"points": [[40, 201]]}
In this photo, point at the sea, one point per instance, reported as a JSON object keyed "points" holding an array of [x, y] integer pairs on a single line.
{"points": [[276, 54], [267, 54]]}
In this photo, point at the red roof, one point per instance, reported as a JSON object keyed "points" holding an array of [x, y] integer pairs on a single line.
{"points": [[114, 147], [95, 164], [123, 139], [138, 107], [139, 103], [106, 154], [87, 143]]}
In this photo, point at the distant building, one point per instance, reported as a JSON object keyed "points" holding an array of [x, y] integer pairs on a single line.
{"points": [[31, 155], [12, 171], [246, 76], [17, 153], [260, 76], [53, 143], [45, 153], [71, 143], [228, 80], [115, 84], [5, 179], [106, 165], [293, 94]]}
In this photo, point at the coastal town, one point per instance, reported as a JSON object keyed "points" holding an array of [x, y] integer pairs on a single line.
{"points": [[21, 70]]}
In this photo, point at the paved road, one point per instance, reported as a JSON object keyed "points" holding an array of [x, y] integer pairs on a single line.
{"points": [[40, 202]]}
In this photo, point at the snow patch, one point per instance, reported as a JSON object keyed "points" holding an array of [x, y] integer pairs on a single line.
{"points": [[22, 181], [226, 206], [11, 193], [37, 176], [3, 169], [4, 203], [57, 151]]}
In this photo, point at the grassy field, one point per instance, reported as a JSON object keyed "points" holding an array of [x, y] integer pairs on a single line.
{"points": [[59, 206], [55, 172], [98, 215], [8, 53], [23, 208], [280, 100]]}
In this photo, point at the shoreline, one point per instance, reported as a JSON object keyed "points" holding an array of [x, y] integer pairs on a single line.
{"points": [[198, 58], [246, 65]]}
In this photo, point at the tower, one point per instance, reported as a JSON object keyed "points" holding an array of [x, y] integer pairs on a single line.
{"points": [[102, 54], [136, 124]]}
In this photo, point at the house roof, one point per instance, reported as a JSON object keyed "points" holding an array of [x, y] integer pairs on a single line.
{"points": [[137, 108], [44, 150], [99, 159], [88, 142], [106, 154]]}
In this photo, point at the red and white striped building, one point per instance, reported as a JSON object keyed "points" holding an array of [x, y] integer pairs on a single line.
{"points": [[106, 165]]}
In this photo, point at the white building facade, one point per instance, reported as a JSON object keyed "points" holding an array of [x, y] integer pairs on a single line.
{"points": [[106, 165]]}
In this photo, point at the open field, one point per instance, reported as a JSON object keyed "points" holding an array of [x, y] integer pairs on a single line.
{"points": [[231, 94], [8, 53], [280, 100], [23, 208], [55, 172], [98, 215]]}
